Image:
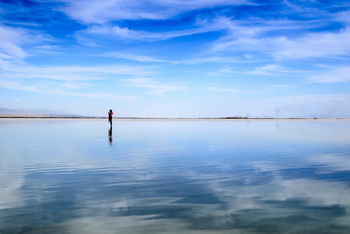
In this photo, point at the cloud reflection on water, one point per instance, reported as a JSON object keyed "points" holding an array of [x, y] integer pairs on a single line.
{"points": [[191, 177]]}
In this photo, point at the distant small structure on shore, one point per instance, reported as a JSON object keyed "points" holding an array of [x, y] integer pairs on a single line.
{"points": [[237, 117]]}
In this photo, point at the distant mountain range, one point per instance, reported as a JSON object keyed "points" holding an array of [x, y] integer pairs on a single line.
{"points": [[35, 113]]}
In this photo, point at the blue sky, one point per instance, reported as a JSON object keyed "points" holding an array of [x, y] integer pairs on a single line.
{"points": [[176, 58]]}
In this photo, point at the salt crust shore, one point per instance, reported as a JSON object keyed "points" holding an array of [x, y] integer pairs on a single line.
{"points": [[173, 119]]}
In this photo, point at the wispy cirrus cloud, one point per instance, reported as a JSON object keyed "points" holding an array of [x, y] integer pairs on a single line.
{"points": [[72, 72], [73, 85], [8, 84], [343, 16], [249, 28], [273, 69], [60, 90], [251, 38], [115, 32], [309, 46], [332, 75], [226, 71], [252, 35], [92, 12], [134, 57], [12, 40], [221, 90], [314, 45], [267, 70], [48, 79], [259, 27], [215, 59], [45, 49], [199, 60], [281, 86], [156, 87], [99, 95]]}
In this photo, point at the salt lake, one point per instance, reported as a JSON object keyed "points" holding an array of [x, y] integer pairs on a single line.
{"points": [[225, 176]]}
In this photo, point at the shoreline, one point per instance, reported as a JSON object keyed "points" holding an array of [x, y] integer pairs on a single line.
{"points": [[22, 118]]}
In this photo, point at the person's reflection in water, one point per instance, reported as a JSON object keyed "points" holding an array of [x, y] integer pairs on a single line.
{"points": [[110, 138]]}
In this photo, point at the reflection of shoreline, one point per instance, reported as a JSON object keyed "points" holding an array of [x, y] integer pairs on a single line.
{"points": [[23, 118]]}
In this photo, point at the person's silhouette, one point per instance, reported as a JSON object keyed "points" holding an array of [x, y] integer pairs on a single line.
{"points": [[110, 114], [110, 138]]}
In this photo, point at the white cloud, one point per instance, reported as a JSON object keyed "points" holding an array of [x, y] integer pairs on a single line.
{"points": [[214, 59], [156, 87], [267, 70], [343, 16], [303, 9], [45, 49], [236, 29], [198, 60], [135, 57], [217, 89], [73, 85], [249, 28], [319, 45], [226, 71], [44, 88], [92, 12], [314, 45], [255, 35], [116, 32], [282, 86], [12, 40], [98, 95], [258, 27], [341, 74], [18, 86], [72, 72], [273, 69]]}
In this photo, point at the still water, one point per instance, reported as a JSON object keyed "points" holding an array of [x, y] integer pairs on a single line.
{"points": [[174, 177]]}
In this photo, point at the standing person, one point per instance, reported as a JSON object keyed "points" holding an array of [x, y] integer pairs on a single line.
{"points": [[110, 113]]}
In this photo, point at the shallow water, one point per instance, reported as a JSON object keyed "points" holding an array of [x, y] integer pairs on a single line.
{"points": [[174, 177]]}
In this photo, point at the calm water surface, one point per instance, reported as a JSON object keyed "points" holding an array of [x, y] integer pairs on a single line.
{"points": [[174, 177]]}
